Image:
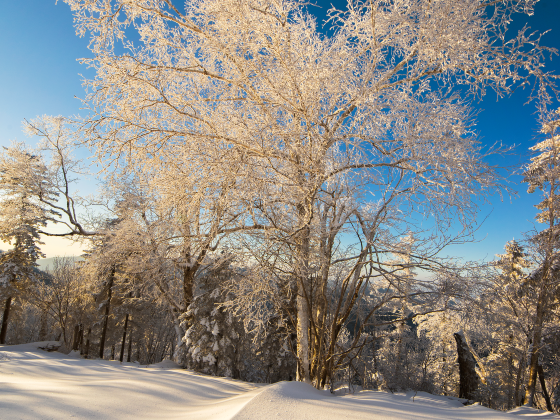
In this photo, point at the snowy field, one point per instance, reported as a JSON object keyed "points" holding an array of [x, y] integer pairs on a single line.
{"points": [[36, 384]]}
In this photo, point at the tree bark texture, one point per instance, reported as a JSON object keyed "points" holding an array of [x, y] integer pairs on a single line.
{"points": [[76, 337], [129, 345], [81, 338], [106, 314], [44, 324], [510, 383], [303, 337], [124, 338], [86, 351], [544, 390], [520, 368], [303, 322], [5, 317], [534, 361], [468, 378]]}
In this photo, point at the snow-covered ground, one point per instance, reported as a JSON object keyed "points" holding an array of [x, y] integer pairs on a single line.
{"points": [[36, 384]]}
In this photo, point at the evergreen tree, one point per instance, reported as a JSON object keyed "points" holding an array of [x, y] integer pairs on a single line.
{"points": [[513, 263], [543, 174], [509, 300], [22, 175]]}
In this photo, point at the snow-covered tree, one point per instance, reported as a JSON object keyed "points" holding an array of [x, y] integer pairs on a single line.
{"points": [[254, 91], [513, 263], [58, 140], [543, 173], [218, 342], [22, 174], [167, 246], [439, 365], [68, 298], [509, 301]]}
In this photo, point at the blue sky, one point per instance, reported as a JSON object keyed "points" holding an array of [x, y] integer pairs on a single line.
{"points": [[40, 75]]}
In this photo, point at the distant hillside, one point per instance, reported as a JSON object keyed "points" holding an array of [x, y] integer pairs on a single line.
{"points": [[45, 263]]}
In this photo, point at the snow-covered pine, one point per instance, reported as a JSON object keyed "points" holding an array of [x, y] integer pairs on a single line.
{"points": [[171, 244], [218, 343], [543, 173], [505, 304], [22, 176], [439, 372]]}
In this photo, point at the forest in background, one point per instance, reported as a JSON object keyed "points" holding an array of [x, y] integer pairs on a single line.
{"points": [[275, 200]]}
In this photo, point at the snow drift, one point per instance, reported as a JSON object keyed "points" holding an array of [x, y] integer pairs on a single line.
{"points": [[50, 385]]}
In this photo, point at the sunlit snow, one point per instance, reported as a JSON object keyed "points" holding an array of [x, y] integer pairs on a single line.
{"points": [[50, 385]]}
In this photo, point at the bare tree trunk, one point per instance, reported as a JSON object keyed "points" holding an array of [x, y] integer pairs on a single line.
{"points": [[543, 386], [113, 352], [188, 286], [86, 351], [44, 324], [5, 317], [399, 356], [138, 345], [534, 361], [81, 338], [149, 348], [303, 373], [179, 343], [468, 378], [106, 315], [510, 397], [303, 310], [378, 382], [76, 337], [62, 322], [518, 379], [124, 338], [129, 345]]}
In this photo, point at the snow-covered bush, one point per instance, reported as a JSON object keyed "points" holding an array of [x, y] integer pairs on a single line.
{"points": [[217, 344]]}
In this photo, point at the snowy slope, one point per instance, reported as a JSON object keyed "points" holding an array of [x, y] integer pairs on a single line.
{"points": [[47, 385]]}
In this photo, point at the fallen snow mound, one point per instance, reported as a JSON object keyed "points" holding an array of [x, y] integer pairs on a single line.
{"points": [[529, 413], [165, 364], [38, 384], [296, 400]]}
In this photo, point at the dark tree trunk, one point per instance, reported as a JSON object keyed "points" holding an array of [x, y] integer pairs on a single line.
{"points": [[149, 349], [5, 317], [106, 314], [81, 338], [44, 324], [129, 345], [468, 378], [516, 395], [188, 285], [76, 338], [124, 337], [510, 383], [398, 357], [86, 351], [113, 352], [543, 386], [534, 360]]}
